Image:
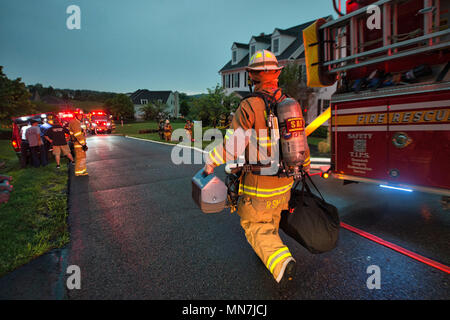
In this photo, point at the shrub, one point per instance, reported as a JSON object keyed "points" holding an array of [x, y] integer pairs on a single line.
{"points": [[320, 132]]}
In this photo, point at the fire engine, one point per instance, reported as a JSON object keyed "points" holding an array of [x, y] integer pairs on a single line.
{"points": [[390, 114], [100, 122]]}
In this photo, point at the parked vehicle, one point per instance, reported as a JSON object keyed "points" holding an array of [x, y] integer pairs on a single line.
{"points": [[390, 115], [100, 122]]}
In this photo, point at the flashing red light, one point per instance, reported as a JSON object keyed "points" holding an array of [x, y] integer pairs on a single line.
{"points": [[14, 144]]}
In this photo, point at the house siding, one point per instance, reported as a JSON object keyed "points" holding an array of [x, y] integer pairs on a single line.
{"points": [[290, 50], [170, 99]]}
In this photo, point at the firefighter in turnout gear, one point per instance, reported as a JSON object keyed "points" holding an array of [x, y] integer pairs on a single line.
{"points": [[79, 144], [262, 197]]}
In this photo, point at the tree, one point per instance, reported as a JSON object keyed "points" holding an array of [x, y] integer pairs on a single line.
{"points": [[184, 108], [208, 108], [231, 102], [154, 109], [121, 106], [293, 83], [14, 98]]}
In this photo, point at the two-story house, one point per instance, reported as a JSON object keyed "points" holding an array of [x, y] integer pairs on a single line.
{"points": [[287, 45], [142, 97]]}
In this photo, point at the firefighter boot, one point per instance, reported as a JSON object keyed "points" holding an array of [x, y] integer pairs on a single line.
{"points": [[287, 273]]}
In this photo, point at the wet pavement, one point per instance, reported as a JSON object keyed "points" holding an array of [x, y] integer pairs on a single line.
{"points": [[137, 234]]}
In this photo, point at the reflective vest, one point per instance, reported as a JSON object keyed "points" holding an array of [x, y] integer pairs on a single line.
{"points": [[77, 133], [251, 114]]}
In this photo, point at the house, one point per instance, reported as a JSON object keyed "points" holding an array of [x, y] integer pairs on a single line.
{"points": [[142, 97], [287, 45]]}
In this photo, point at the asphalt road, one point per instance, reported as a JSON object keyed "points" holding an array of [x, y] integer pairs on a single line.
{"points": [[137, 234]]}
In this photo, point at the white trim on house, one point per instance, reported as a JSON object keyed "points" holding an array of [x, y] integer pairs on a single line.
{"points": [[234, 79]]}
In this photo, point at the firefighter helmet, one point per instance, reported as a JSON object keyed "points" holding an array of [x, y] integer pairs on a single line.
{"points": [[263, 60]]}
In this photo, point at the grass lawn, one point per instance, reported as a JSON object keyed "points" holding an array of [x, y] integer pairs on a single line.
{"points": [[34, 220], [132, 129]]}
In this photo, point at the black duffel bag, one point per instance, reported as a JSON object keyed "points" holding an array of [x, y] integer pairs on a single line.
{"points": [[311, 221]]}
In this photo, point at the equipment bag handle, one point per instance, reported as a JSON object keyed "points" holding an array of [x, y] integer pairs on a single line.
{"points": [[305, 185], [315, 187]]}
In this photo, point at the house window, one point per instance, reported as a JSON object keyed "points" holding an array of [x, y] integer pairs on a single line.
{"points": [[144, 101], [252, 50], [319, 106], [227, 83], [275, 45], [245, 79], [235, 80], [223, 81], [325, 105], [234, 56]]}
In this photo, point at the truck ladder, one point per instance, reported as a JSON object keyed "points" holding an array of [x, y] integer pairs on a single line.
{"points": [[418, 41]]}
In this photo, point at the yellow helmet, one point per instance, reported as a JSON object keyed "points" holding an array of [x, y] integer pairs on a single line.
{"points": [[263, 60]]}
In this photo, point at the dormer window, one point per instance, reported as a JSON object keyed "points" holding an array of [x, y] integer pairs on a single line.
{"points": [[234, 56], [252, 50], [275, 45]]}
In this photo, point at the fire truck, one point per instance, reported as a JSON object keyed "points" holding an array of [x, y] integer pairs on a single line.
{"points": [[389, 118], [100, 122]]}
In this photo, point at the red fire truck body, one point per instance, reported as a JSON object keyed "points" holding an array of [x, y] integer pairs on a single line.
{"points": [[394, 139], [393, 133], [100, 122]]}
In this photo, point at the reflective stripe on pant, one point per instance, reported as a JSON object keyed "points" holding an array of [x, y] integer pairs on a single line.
{"points": [[260, 219], [80, 159]]}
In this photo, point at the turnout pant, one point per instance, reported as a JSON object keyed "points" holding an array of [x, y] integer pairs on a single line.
{"points": [[80, 160], [260, 219]]}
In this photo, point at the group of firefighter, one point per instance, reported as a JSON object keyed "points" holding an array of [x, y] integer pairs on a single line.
{"points": [[165, 130], [262, 198]]}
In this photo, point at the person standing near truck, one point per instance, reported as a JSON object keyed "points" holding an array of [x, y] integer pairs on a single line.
{"points": [[33, 136], [24, 145], [79, 144], [56, 136]]}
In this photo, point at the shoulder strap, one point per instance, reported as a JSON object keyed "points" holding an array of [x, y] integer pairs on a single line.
{"points": [[269, 100]]}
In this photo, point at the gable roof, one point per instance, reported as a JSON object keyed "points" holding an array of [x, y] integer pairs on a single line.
{"points": [[241, 64], [264, 38], [240, 45], [149, 95], [296, 31]]}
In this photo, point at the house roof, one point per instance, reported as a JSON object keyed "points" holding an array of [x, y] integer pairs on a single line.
{"points": [[149, 95], [295, 31], [264, 38], [241, 45], [241, 64]]}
